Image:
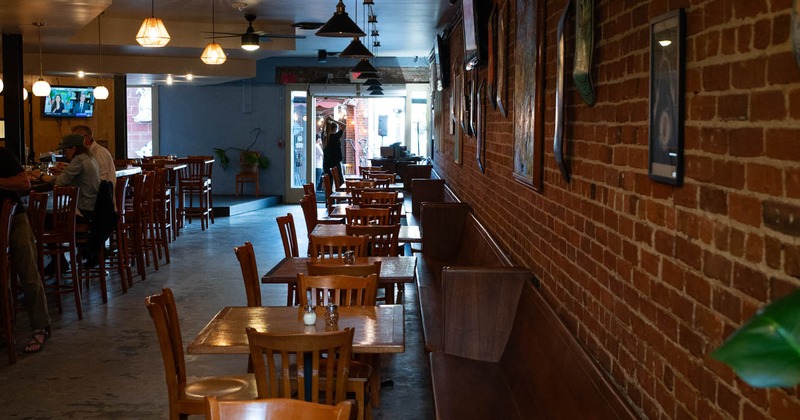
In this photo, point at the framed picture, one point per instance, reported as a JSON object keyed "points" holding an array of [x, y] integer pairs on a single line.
{"points": [[529, 93], [491, 71], [667, 62], [458, 86], [500, 59]]}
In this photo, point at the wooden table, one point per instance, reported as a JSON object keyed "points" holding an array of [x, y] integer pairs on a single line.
{"points": [[340, 210], [410, 234], [393, 186], [127, 170], [393, 270], [378, 329], [344, 195]]}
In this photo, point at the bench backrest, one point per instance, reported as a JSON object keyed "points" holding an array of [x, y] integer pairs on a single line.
{"points": [[425, 190], [479, 308], [547, 365]]}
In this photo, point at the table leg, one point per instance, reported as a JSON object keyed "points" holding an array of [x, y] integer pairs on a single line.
{"points": [[375, 381]]}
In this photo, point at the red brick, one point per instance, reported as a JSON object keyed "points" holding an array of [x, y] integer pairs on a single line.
{"points": [[733, 107], [746, 142], [792, 261], [744, 37], [782, 217], [783, 144], [699, 168], [779, 288], [745, 209], [782, 69], [686, 196], [703, 107], [698, 288], [749, 9], [767, 105], [752, 282], [781, 27], [728, 304], [714, 140], [763, 32], [737, 242], [793, 182], [749, 74], [754, 248], [713, 200], [764, 179], [717, 77], [688, 252], [794, 103], [728, 173], [772, 252], [783, 407], [717, 267]]}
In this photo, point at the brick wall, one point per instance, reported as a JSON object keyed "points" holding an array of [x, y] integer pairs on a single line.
{"points": [[651, 278]]}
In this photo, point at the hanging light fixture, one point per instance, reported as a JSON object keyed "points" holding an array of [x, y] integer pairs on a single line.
{"points": [[376, 93], [372, 82], [250, 38], [152, 33], [213, 54], [356, 50], [40, 88], [340, 25], [100, 92], [363, 66], [374, 88]]}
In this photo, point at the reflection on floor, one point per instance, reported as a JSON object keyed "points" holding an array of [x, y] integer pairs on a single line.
{"points": [[109, 365]]}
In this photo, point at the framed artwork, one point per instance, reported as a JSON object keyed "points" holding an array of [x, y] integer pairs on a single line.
{"points": [[491, 61], [452, 124], [529, 93], [667, 63], [458, 86], [500, 59]]}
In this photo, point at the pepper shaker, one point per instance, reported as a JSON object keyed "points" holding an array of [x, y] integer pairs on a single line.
{"points": [[349, 257], [331, 314]]}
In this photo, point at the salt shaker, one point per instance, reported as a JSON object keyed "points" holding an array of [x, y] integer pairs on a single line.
{"points": [[331, 314], [309, 316], [349, 257]]}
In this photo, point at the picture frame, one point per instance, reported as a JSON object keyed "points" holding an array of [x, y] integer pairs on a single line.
{"points": [[666, 101], [491, 59], [500, 59], [458, 86], [529, 93]]}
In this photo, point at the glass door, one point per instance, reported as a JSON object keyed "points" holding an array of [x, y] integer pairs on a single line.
{"points": [[299, 144]]}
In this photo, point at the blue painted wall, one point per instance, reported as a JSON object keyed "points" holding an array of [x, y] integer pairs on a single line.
{"points": [[195, 119]]}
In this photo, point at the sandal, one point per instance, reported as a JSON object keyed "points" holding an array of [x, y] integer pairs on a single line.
{"points": [[36, 343]]}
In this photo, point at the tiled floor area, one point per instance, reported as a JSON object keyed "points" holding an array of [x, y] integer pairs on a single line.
{"points": [[108, 366]]}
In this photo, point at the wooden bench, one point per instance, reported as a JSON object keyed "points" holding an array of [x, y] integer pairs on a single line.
{"points": [[426, 190], [506, 355]]}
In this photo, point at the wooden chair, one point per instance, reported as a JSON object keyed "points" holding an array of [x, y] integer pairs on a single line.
{"points": [[349, 168], [309, 189], [328, 190], [37, 213], [387, 178], [366, 216], [252, 283], [336, 177], [378, 197], [208, 161], [334, 267], [336, 246], [337, 289], [290, 249], [194, 183], [309, 206], [118, 258], [282, 380], [60, 240], [188, 397], [275, 408], [382, 241], [395, 211], [133, 225], [7, 301]]}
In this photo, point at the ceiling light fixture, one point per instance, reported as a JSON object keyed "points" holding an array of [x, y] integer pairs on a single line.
{"points": [[213, 54], [373, 19], [374, 88], [372, 82], [189, 77], [376, 93], [250, 38], [340, 25], [356, 50], [152, 33], [363, 66], [100, 92], [40, 88]]}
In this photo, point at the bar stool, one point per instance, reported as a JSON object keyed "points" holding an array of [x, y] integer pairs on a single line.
{"points": [[194, 184], [150, 238], [162, 213], [118, 246], [132, 226], [6, 214], [60, 241], [208, 169]]}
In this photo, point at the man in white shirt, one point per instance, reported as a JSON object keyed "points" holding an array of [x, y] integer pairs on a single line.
{"points": [[102, 156]]}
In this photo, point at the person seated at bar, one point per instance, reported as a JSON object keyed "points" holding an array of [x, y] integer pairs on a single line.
{"points": [[105, 162], [13, 181]]}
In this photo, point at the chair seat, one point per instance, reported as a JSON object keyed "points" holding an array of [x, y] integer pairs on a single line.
{"points": [[234, 387]]}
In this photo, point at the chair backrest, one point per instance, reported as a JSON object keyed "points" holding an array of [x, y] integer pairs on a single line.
{"points": [[195, 170], [247, 262], [65, 206], [337, 289], [37, 212], [383, 239], [349, 169], [336, 246], [336, 174], [309, 188], [309, 205], [326, 187], [273, 381], [395, 211], [288, 235], [349, 185], [378, 197], [366, 216], [391, 178], [332, 267], [275, 408], [168, 329], [120, 192]]}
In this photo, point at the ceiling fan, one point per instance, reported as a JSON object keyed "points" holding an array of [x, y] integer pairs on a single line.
{"points": [[251, 37]]}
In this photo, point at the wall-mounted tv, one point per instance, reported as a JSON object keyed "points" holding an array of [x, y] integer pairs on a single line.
{"points": [[476, 19], [69, 102], [442, 57]]}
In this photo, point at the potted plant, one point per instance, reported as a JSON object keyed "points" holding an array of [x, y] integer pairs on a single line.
{"points": [[250, 160], [765, 351]]}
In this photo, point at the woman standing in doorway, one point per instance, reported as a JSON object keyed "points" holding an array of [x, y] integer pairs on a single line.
{"points": [[332, 144]]}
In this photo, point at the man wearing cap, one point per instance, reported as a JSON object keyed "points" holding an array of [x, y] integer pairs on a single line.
{"points": [[82, 172]]}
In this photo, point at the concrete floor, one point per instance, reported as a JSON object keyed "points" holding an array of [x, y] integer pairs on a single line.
{"points": [[108, 365]]}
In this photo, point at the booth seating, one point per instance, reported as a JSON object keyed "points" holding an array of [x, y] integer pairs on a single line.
{"points": [[497, 349]]}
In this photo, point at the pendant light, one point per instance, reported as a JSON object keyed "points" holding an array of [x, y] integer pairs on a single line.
{"points": [[213, 54], [340, 25], [356, 50], [363, 66], [100, 92], [40, 88], [372, 82], [152, 33], [250, 39]]}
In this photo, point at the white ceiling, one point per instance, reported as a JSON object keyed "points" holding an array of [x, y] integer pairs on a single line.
{"points": [[70, 36]]}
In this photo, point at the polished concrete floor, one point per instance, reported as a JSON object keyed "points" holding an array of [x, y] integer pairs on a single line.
{"points": [[108, 365]]}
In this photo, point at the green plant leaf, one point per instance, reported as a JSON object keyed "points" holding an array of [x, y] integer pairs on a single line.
{"points": [[765, 351]]}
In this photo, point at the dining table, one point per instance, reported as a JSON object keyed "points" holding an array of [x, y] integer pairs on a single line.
{"points": [[340, 210], [377, 330], [394, 270], [395, 186], [408, 234], [346, 195]]}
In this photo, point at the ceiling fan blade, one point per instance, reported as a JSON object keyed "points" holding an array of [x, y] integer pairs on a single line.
{"points": [[221, 33], [221, 36], [284, 36]]}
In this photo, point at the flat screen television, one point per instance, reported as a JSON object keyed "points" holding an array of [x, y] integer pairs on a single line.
{"points": [[442, 58], [69, 102]]}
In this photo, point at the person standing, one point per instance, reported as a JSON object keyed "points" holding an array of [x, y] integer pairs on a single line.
{"points": [[13, 181], [318, 157], [332, 144]]}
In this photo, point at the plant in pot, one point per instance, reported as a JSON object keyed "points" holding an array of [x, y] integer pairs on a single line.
{"points": [[765, 351], [249, 160]]}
